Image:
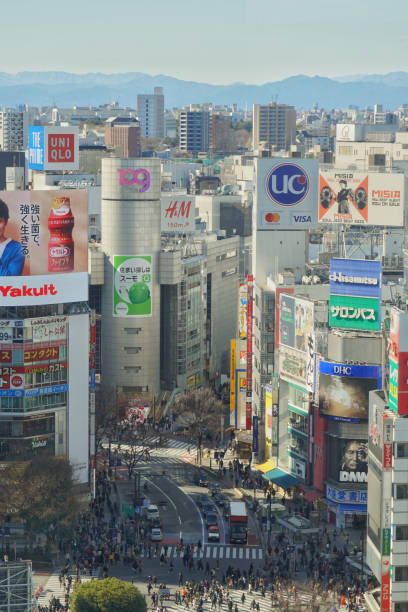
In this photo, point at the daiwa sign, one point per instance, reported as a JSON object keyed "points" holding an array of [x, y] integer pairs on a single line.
{"points": [[286, 193]]}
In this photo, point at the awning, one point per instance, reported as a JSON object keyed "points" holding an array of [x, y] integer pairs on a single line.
{"points": [[281, 479], [267, 466], [311, 495]]}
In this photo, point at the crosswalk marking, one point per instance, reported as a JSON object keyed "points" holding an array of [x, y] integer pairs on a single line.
{"points": [[210, 551]]}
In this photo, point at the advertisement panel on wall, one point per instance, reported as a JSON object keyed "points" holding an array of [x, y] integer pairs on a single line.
{"points": [[177, 214], [241, 398], [232, 377], [44, 248], [249, 352], [286, 193], [361, 198], [53, 148], [268, 421], [344, 389], [132, 285], [347, 460], [398, 362], [277, 312], [242, 310], [296, 332], [350, 312], [355, 277]]}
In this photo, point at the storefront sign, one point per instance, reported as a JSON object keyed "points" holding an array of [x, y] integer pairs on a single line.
{"points": [[346, 496]]}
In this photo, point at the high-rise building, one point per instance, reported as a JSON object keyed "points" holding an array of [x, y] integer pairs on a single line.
{"points": [[11, 130], [274, 126], [124, 133], [220, 141], [131, 291], [150, 111], [194, 131]]}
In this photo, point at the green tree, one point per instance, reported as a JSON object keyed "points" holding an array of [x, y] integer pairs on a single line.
{"points": [[201, 413], [108, 595]]}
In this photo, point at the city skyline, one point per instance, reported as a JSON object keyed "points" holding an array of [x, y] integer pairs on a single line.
{"points": [[328, 41]]}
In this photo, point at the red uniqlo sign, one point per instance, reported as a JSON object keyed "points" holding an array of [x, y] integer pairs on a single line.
{"points": [[61, 148]]}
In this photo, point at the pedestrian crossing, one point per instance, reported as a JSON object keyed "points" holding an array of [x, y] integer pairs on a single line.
{"points": [[171, 451], [209, 552], [54, 588]]}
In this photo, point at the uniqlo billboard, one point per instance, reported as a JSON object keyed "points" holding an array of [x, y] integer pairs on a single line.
{"points": [[53, 148]]}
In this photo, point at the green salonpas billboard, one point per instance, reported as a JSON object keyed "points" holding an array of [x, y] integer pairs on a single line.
{"points": [[132, 285], [353, 312]]}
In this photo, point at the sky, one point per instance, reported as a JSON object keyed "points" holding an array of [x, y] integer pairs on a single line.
{"points": [[214, 41]]}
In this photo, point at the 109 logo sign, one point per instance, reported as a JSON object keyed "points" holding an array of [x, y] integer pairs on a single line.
{"points": [[287, 184]]}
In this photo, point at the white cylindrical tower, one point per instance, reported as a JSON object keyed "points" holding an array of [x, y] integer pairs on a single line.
{"points": [[131, 292]]}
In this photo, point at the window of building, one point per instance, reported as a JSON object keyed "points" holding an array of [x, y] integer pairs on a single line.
{"points": [[133, 330], [402, 449], [401, 573], [401, 532], [133, 350], [401, 607], [229, 272], [401, 491]]}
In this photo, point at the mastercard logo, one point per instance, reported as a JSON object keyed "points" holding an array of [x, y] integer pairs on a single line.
{"points": [[272, 217]]}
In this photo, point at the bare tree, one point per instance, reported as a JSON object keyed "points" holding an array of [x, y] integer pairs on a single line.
{"points": [[200, 412]]}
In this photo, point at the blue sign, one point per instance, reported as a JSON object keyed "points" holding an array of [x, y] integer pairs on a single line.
{"points": [[36, 147], [287, 184], [46, 390], [352, 371], [92, 383], [11, 393], [255, 445], [355, 277]]}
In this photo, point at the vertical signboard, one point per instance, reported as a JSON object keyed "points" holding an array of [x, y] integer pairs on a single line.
{"points": [[255, 437], [268, 421], [277, 312], [242, 310], [249, 352], [232, 377], [398, 359], [132, 285]]}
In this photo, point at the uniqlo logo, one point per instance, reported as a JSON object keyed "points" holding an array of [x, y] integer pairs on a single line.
{"points": [[61, 148]]}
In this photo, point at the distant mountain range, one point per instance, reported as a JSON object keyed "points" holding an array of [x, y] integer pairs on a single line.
{"points": [[67, 89]]}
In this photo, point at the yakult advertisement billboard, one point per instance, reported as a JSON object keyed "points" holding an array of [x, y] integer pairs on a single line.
{"points": [[361, 198], [43, 247], [286, 193], [177, 214], [53, 148]]}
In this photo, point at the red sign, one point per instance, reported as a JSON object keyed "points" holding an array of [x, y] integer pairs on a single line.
{"points": [[43, 354], [11, 378], [248, 415], [47, 367], [61, 148], [385, 587]]}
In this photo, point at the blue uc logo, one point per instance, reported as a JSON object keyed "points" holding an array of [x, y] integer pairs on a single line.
{"points": [[287, 184]]}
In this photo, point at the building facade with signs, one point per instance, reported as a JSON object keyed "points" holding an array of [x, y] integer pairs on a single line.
{"points": [[387, 531]]}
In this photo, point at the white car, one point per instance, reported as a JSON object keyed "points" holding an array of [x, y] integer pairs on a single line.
{"points": [[152, 512], [156, 535]]}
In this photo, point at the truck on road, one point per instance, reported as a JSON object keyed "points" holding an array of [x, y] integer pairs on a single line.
{"points": [[238, 522]]}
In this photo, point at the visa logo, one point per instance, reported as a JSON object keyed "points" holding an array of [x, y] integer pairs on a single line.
{"points": [[301, 218]]}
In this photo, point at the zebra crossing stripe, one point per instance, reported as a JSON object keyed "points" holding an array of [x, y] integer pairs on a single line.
{"points": [[227, 551], [221, 553], [208, 552], [241, 553], [234, 553], [247, 553], [214, 552]]}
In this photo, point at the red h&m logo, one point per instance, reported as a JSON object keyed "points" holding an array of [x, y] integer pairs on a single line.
{"points": [[61, 148], [176, 209]]}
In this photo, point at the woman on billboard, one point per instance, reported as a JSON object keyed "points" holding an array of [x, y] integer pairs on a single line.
{"points": [[12, 257]]}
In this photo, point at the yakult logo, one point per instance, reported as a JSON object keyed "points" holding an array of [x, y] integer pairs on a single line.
{"points": [[287, 184], [139, 177]]}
